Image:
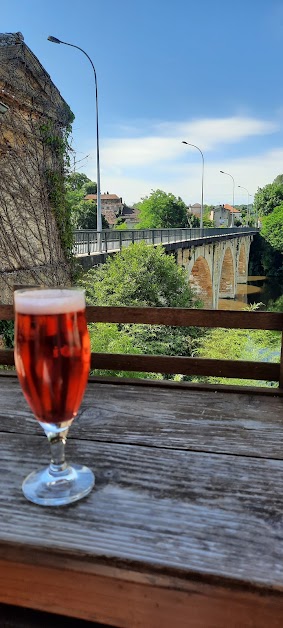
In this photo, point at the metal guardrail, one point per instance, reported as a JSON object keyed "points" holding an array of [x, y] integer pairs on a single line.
{"points": [[86, 241]]}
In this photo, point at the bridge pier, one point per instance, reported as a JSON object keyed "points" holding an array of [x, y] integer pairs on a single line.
{"points": [[215, 269]]}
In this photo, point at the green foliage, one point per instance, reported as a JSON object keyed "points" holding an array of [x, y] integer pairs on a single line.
{"points": [[276, 306], [240, 344], [193, 221], [86, 216], [269, 197], [57, 141], [83, 214], [7, 332], [161, 211], [76, 180], [57, 197], [90, 188], [272, 228], [107, 338], [279, 179], [142, 275]]}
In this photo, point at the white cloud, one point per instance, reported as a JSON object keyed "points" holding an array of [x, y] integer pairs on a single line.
{"points": [[164, 144], [132, 167]]}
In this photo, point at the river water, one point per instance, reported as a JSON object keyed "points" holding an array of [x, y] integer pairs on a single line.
{"points": [[257, 290]]}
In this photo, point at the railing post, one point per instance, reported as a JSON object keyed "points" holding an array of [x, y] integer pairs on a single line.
{"points": [[120, 240], [88, 243], [152, 236]]}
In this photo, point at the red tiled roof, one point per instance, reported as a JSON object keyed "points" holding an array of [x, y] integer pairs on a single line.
{"points": [[231, 209], [110, 215], [104, 197]]}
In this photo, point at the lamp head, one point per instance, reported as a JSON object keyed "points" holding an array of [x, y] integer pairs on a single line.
{"points": [[183, 142], [54, 40], [3, 108], [222, 171]]}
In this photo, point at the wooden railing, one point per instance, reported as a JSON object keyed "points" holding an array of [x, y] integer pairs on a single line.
{"points": [[178, 317]]}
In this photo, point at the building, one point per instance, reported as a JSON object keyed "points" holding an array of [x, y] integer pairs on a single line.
{"points": [[194, 210], [225, 215], [33, 225], [112, 207]]}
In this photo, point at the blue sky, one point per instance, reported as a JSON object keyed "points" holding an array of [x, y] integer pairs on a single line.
{"points": [[206, 71]]}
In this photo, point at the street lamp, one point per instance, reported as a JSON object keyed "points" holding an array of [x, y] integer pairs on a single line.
{"points": [[54, 40], [248, 214], [229, 175], [202, 178], [3, 108]]}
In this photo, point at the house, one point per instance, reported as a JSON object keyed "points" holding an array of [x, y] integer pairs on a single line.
{"points": [[194, 210], [131, 215], [112, 207], [225, 215]]}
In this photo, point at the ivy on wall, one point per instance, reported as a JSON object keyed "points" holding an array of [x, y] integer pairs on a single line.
{"points": [[55, 141]]}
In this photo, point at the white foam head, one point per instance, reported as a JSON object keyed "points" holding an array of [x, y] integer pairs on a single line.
{"points": [[49, 301]]}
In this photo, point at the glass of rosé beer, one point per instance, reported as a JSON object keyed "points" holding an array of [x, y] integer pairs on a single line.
{"points": [[52, 357]]}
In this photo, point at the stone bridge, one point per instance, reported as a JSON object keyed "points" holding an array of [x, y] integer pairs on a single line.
{"points": [[216, 260], [215, 268]]}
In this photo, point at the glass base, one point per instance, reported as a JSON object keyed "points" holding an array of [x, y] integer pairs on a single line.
{"points": [[49, 487]]}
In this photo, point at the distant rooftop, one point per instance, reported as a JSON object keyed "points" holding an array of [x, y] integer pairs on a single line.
{"points": [[104, 197], [231, 209]]}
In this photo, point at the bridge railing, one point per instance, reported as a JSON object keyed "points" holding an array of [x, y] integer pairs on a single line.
{"points": [[86, 241]]}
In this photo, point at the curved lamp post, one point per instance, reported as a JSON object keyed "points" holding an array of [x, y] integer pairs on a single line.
{"points": [[202, 179], [54, 40], [229, 175], [248, 212]]}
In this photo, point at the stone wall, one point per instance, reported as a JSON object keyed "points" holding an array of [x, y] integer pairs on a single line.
{"points": [[31, 251]]}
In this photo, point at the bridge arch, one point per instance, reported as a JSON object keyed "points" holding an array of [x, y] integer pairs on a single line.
{"points": [[227, 276], [201, 280], [242, 262]]}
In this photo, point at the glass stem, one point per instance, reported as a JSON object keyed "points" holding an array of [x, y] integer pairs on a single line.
{"points": [[57, 437]]}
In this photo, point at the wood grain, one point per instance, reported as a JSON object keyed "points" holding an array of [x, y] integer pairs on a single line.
{"points": [[170, 365], [240, 424], [154, 509], [177, 317], [184, 527], [131, 600]]}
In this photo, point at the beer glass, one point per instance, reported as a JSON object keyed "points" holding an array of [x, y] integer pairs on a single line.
{"points": [[52, 358]]}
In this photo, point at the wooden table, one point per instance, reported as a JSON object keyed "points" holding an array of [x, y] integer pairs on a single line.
{"points": [[184, 527]]}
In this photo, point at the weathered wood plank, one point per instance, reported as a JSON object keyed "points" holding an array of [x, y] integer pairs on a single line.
{"points": [[167, 364], [187, 366], [241, 424], [131, 600], [202, 514], [178, 317], [181, 317]]}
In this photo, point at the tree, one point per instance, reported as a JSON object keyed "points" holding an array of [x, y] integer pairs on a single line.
{"points": [[142, 275], [240, 344], [86, 216], [161, 211], [269, 197], [193, 221], [89, 188], [78, 185], [272, 228], [76, 180]]}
